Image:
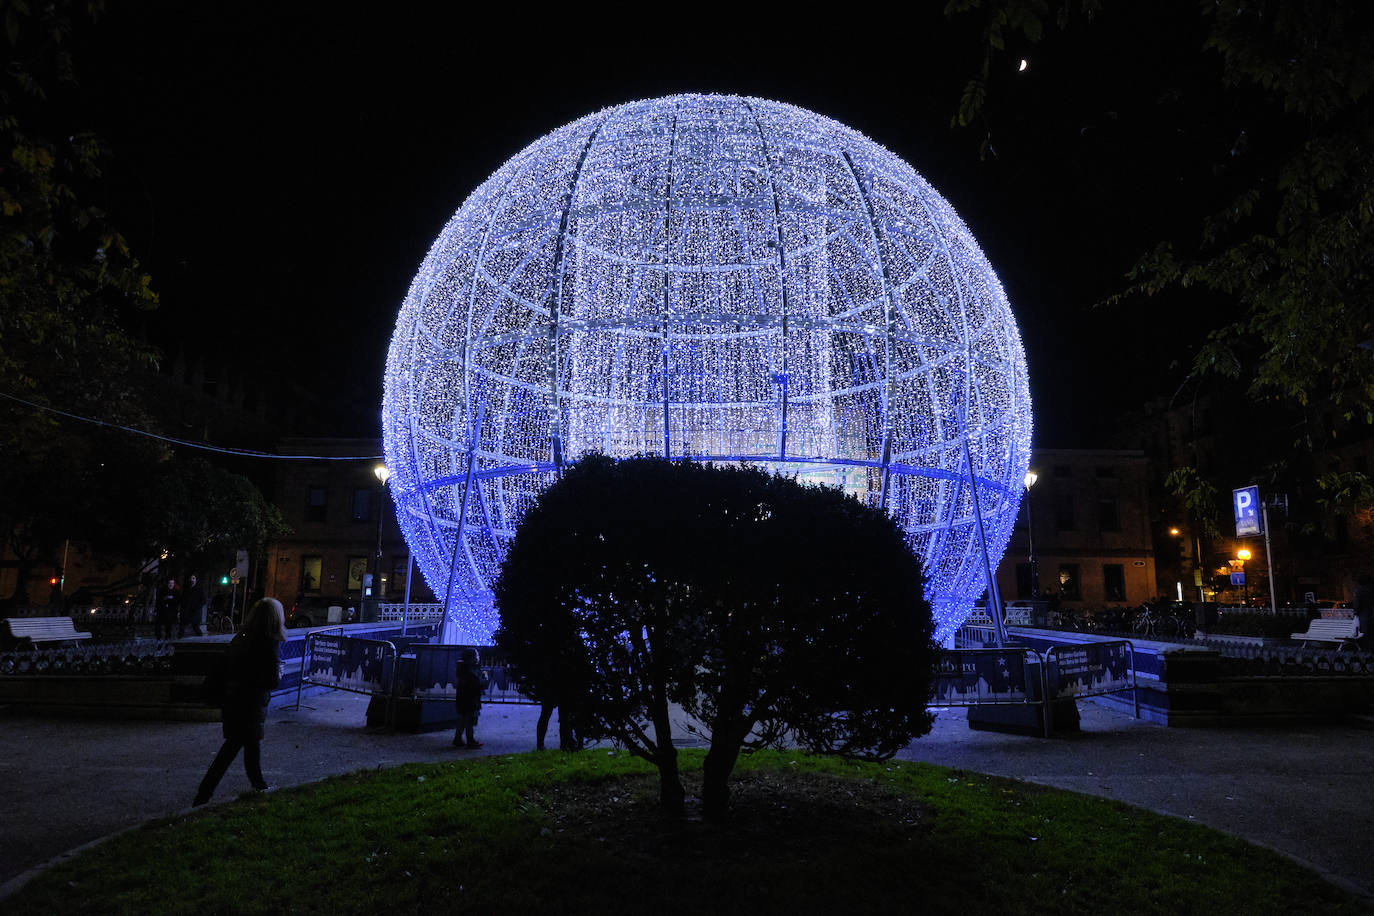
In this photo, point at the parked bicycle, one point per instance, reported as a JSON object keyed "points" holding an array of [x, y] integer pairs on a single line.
{"points": [[220, 622], [1163, 621], [1150, 621]]}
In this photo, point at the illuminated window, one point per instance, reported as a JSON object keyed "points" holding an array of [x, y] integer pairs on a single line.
{"points": [[311, 567], [356, 567], [1070, 588]]}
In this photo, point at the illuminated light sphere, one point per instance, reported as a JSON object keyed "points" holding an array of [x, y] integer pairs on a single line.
{"points": [[725, 278]]}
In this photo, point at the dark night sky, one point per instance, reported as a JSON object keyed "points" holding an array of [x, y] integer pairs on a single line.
{"points": [[282, 170]]}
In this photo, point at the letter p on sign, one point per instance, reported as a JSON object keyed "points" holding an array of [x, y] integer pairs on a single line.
{"points": [[1246, 502]]}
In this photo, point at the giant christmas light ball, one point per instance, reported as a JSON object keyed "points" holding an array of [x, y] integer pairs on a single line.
{"points": [[722, 278]]}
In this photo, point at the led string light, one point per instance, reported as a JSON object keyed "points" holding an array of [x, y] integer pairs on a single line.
{"points": [[727, 279], [188, 443]]}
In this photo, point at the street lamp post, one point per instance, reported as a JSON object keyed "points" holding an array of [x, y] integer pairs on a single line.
{"points": [[1197, 575], [1031, 478], [1244, 555], [383, 474]]}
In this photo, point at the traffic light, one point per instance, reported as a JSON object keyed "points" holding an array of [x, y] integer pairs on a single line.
{"points": [[223, 580], [52, 580]]}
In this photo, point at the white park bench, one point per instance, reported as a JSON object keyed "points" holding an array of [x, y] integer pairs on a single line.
{"points": [[1330, 630], [38, 630]]}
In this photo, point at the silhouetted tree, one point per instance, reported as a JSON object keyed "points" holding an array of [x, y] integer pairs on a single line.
{"points": [[767, 609], [200, 513], [1274, 101], [68, 285]]}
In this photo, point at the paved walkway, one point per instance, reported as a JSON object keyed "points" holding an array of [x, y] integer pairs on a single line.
{"points": [[1307, 792]]}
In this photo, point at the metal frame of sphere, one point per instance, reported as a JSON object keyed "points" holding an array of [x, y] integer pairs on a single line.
{"points": [[715, 277]]}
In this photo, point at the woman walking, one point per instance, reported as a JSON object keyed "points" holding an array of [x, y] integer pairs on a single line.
{"points": [[252, 670]]}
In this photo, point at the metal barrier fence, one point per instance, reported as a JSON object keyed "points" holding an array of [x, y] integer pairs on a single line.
{"points": [[377, 667], [1007, 676], [348, 663], [431, 678], [1021, 676], [1088, 670], [990, 677]]}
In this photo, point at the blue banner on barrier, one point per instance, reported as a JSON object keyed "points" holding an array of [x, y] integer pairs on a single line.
{"points": [[435, 666], [1091, 669], [346, 663], [975, 676]]}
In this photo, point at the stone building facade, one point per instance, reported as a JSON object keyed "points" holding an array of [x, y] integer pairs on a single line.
{"points": [[1087, 518], [334, 505]]}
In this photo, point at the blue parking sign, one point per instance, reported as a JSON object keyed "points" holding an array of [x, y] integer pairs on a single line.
{"points": [[1246, 502]]}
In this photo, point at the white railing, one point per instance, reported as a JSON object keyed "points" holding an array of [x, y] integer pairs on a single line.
{"points": [[419, 613], [1289, 611], [977, 631]]}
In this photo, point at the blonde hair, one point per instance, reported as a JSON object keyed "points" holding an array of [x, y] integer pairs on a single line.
{"points": [[266, 620]]}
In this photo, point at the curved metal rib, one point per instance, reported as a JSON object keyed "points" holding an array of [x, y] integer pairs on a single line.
{"points": [[556, 304], [889, 318]]}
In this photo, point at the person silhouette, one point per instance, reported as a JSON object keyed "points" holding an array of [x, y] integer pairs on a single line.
{"points": [[469, 681], [252, 669]]}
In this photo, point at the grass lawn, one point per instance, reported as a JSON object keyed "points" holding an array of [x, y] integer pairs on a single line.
{"points": [[554, 833]]}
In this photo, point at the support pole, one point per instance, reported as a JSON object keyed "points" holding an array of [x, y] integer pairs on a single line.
{"points": [[1269, 558], [405, 611], [462, 512], [994, 598]]}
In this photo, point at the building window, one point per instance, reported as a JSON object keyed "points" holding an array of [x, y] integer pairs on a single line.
{"points": [[1064, 512], [356, 567], [1108, 515], [310, 573], [315, 500], [1023, 581], [1069, 587], [1106, 472], [362, 504], [1063, 470], [1114, 581]]}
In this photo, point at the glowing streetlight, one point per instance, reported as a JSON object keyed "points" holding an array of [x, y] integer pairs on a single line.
{"points": [[1173, 532], [383, 474], [1244, 555]]}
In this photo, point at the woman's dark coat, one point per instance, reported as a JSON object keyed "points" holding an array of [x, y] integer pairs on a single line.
{"points": [[254, 670]]}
